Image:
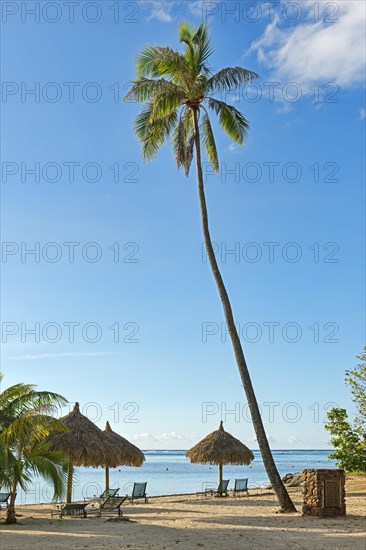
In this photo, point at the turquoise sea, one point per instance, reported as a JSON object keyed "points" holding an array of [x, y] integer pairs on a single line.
{"points": [[169, 472]]}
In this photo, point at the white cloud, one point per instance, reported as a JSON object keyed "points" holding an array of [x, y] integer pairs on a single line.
{"points": [[170, 436], [161, 15], [291, 123], [145, 437], [295, 440], [166, 10], [233, 148], [159, 9], [161, 438], [196, 7], [317, 51], [362, 113], [270, 438]]}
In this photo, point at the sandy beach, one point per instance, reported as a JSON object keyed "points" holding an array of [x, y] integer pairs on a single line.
{"points": [[188, 522]]}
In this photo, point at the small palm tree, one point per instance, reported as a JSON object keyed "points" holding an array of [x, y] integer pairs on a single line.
{"points": [[178, 90], [25, 420]]}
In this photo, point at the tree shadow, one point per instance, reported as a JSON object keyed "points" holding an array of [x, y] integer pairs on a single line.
{"points": [[275, 533]]}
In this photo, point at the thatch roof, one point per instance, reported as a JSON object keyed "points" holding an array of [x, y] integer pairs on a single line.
{"points": [[84, 443], [126, 454], [219, 447]]}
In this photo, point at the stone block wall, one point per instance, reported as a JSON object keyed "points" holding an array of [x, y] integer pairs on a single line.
{"points": [[323, 493]]}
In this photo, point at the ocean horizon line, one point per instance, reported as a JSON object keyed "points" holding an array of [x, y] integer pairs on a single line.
{"points": [[254, 450]]}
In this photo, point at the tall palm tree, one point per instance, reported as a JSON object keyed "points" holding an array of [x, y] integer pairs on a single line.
{"points": [[25, 420], [178, 91]]}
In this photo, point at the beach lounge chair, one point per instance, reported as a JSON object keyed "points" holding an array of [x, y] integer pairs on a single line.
{"points": [[241, 487], [138, 491], [111, 505], [72, 509], [221, 490], [4, 497], [106, 493]]}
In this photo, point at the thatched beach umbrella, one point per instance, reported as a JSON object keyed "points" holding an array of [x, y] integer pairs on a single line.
{"points": [[84, 444], [220, 448], [125, 453]]}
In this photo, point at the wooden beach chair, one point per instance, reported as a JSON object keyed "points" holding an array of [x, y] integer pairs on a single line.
{"points": [[138, 491], [4, 497], [72, 509], [112, 505], [241, 487], [106, 493]]}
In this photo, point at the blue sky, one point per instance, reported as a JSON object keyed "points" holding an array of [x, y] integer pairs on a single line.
{"points": [[290, 204]]}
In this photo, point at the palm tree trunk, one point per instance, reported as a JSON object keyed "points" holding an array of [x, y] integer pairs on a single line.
{"points": [[275, 479], [10, 514]]}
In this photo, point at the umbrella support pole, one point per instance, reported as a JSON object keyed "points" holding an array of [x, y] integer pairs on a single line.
{"points": [[107, 477], [220, 473], [70, 472]]}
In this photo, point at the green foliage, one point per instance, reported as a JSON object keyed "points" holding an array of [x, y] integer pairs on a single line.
{"points": [[356, 380], [229, 78], [25, 420], [348, 441], [173, 85], [209, 142], [231, 120], [153, 132]]}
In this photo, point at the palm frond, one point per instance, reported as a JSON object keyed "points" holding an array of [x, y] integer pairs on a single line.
{"points": [[7, 459], [189, 154], [198, 90], [166, 103], [51, 465], [159, 62], [145, 89], [25, 422], [183, 140], [30, 426], [231, 120], [198, 49], [9, 395], [153, 132], [230, 78], [143, 122], [23, 399], [203, 41], [186, 32], [179, 139], [168, 80], [209, 142]]}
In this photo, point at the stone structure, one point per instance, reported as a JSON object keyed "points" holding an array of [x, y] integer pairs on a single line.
{"points": [[323, 493]]}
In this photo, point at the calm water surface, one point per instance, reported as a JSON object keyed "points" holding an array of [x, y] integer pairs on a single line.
{"points": [[169, 472]]}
